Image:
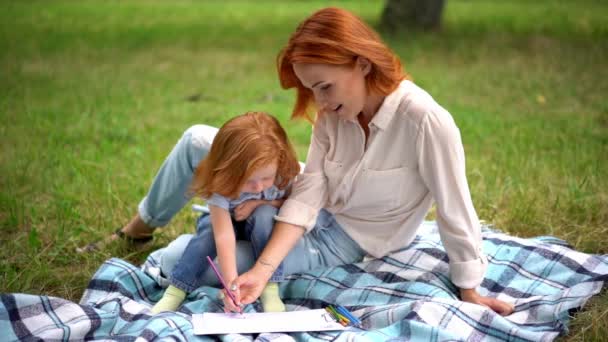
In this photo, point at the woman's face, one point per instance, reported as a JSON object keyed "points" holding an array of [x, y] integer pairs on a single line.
{"points": [[337, 89]]}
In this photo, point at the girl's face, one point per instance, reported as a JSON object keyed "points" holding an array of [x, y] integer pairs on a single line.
{"points": [[337, 89], [261, 179]]}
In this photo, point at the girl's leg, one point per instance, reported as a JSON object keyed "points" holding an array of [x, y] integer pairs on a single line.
{"points": [[258, 229], [185, 260], [188, 271], [174, 251]]}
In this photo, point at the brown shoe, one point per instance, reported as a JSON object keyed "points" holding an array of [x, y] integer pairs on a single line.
{"points": [[96, 246]]}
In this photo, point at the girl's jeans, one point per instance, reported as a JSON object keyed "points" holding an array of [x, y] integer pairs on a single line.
{"points": [[188, 272], [326, 245]]}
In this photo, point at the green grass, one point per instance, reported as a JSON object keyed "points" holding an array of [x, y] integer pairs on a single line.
{"points": [[93, 95]]}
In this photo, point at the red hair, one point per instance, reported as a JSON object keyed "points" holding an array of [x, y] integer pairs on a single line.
{"points": [[336, 36], [243, 145]]}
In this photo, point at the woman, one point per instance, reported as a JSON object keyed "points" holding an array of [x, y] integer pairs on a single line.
{"points": [[382, 150]]}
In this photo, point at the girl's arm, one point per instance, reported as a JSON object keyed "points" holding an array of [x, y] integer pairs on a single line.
{"points": [[284, 237], [225, 242]]}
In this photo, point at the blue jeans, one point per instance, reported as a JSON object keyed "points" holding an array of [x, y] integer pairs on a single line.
{"points": [[326, 245], [188, 273], [169, 193], [171, 255]]}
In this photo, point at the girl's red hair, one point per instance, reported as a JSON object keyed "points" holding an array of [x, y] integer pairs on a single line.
{"points": [[336, 36], [242, 145]]}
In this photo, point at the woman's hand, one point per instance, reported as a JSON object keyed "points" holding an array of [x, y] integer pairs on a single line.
{"points": [[500, 307], [251, 283], [244, 210]]}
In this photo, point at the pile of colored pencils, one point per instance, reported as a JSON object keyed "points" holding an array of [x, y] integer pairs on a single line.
{"points": [[343, 316]]}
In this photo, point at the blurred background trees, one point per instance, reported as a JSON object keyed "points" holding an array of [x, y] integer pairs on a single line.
{"points": [[407, 15]]}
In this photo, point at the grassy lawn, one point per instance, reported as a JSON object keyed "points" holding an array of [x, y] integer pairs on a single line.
{"points": [[93, 95]]}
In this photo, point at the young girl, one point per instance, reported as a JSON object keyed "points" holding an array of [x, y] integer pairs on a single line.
{"points": [[250, 164]]}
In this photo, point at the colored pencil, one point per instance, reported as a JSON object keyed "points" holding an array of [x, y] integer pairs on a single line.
{"points": [[339, 318], [348, 315], [221, 279]]}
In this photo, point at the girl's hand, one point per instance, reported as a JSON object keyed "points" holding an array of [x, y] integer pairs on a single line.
{"points": [[500, 307], [229, 305], [244, 210]]}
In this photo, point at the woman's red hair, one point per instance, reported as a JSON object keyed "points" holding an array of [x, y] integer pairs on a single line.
{"points": [[243, 145], [336, 36]]}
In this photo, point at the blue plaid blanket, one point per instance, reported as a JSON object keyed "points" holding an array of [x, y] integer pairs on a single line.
{"points": [[404, 296]]}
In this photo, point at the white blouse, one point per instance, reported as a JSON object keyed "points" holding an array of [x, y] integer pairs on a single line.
{"points": [[380, 192]]}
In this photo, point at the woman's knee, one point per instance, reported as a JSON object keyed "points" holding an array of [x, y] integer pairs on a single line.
{"points": [[173, 253], [200, 136]]}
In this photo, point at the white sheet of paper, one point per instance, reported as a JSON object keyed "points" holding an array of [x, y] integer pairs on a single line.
{"points": [[260, 322]]}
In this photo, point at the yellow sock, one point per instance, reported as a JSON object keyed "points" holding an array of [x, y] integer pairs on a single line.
{"points": [[171, 300], [271, 301]]}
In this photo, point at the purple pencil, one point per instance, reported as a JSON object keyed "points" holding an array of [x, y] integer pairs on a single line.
{"points": [[221, 279]]}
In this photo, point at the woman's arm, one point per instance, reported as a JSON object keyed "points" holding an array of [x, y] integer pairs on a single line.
{"points": [[251, 283], [307, 195], [441, 163]]}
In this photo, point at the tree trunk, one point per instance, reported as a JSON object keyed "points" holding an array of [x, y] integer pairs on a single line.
{"points": [[409, 15]]}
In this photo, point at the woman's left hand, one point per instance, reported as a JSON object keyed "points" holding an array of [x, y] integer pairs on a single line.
{"points": [[244, 210], [499, 306], [251, 283]]}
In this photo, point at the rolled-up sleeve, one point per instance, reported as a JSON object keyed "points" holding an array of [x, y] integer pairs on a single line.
{"points": [[309, 191], [442, 166]]}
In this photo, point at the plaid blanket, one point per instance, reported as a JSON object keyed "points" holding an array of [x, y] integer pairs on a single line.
{"points": [[404, 296]]}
